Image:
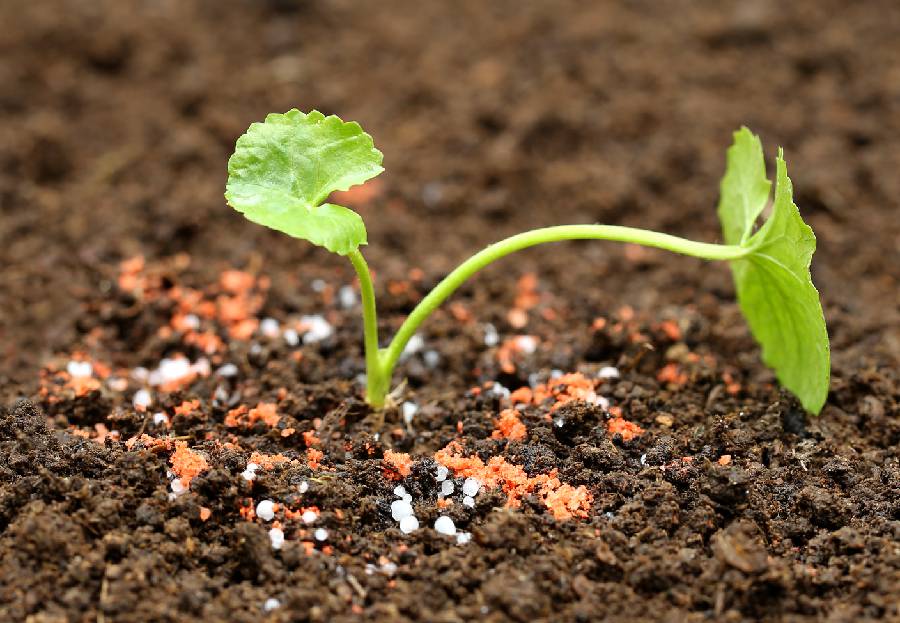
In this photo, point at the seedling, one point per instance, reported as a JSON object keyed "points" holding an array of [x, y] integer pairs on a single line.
{"points": [[284, 169]]}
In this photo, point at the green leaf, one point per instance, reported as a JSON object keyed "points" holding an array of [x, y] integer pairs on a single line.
{"points": [[283, 169], [774, 288], [744, 189]]}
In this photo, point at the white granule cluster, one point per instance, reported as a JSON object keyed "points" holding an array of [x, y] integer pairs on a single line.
{"points": [[80, 368], [276, 536], [447, 488], [317, 329], [265, 510], [608, 372], [413, 346], [228, 370], [176, 369], [249, 474], [347, 297], [491, 337], [269, 327], [402, 511], [409, 410], [271, 604], [526, 344], [444, 525], [142, 399]]}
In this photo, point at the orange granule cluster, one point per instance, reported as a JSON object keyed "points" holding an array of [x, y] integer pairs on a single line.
{"points": [[314, 458], [237, 308], [566, 388], [151, 443], [512, 347], [527, 298], [620, 426], [187, 407], [562, 500], [241, 416], [397, 465], [509, 426], [672, 375], [186, 464], [311, 439], [267, 461]]}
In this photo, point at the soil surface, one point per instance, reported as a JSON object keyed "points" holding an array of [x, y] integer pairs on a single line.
{"points": [[155, 346]]}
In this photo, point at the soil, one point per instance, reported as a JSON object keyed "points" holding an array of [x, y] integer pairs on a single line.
{"points": [[118, 252]]}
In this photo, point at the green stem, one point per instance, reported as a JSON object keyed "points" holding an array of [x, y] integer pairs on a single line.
{"points": [[380, 363], [377, 378], [532, 238]]}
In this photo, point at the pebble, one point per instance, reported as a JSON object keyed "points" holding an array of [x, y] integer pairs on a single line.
{"points": [[444, 525], [447, 488], [291, 337], [347, 297], [463, 537], [321, 534], [250, 472], [608, 372], [469, 501], [276, 536], [271, 604], [409, 411], [269, 327], [471, 486], [142, 399], [80, 368], [309, 517], [303, 487], [414, 345], [317, 329], [491, 337], [442, 472], [401, 509], [265, 510], [409, 524], [229, 369]]}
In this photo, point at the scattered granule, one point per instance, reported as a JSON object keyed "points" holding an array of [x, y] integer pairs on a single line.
{"points": [[672, 374], [236, 281], [510, 348], [235, 417], [287, 432], [267, 461], [206, 341], [725, 459], [186, 464], [314, 458], [567, 388], [151, 443], [731, 386], [187, 407], [311, 439], [509, 426], [460, 312], [523, 395], [265, 411], [247, 510], [205, 513], [562, 502], [670, 328], [397, 465], [82, 385], [621, 426]]}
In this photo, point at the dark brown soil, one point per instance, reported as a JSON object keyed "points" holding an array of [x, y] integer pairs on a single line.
{"points": [[116, 120]]}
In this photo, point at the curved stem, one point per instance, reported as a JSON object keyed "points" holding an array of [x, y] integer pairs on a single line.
{"points": [[494, 252], [376, 380]]}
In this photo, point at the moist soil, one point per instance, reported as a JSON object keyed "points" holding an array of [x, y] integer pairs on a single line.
{"points": [[706, 492]]}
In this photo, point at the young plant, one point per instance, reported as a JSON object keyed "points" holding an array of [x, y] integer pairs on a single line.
{"points": [[284, 169]]}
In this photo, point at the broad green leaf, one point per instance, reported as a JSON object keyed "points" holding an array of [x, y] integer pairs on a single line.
{"points": [[744, 189], [283, 169], [774, 287]]}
